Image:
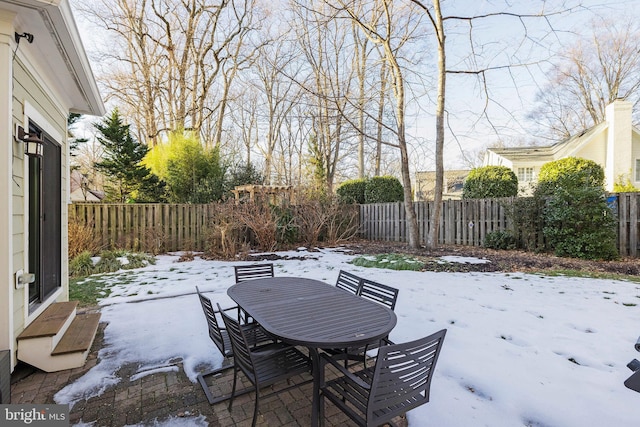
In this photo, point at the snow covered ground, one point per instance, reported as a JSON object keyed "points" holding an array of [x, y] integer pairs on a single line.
{"points": [[521, 349]]}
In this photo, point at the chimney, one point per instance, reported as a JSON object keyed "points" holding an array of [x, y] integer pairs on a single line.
{"points": [[619, 148]]}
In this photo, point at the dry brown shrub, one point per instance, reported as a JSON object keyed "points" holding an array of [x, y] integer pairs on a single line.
{"points": [[187, 256], [311, 219], [225, 232], [261, 219], [82, 237], [343, 222], [154, 241]]}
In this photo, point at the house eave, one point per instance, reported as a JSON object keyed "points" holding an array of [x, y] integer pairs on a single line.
{"points": [[547, 153], [58, 51]]}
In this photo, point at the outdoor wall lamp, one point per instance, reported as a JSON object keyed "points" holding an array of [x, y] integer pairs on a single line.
{"points": [[32, 143]]}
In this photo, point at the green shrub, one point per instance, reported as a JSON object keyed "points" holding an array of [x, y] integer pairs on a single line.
{"points": [[577, 220], [579, 224], [138, 260], [383, 189], [389, 261], [500, 240], [527, 214], [108, 263], [81, 265], [352, 191], [623, 185], [569, 173], [287, 230], [490, 181]]}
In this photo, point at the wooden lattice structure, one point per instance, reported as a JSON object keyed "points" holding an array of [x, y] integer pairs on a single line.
{"points": [[273, 194]]}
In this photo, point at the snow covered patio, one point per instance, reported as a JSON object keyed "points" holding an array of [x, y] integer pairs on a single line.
{"points": [[521, 349]]}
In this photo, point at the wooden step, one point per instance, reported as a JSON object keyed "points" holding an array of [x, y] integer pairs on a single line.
{"points": [[80, 334], [59, 338], [51, 321]]}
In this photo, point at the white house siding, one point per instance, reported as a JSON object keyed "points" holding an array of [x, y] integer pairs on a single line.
{"points": [[40, 81], [493, 159], [32, 101], [614, 145], [619, 141], [6, 181], [634, 172]]}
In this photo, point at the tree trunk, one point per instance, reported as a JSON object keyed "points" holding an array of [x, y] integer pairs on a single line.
{"points": [[413, 232], [434, 220]]}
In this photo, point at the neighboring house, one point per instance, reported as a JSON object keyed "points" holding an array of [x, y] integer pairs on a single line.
{"points": [[613, 144], [80, 191], [453, 181], [44, 74]]}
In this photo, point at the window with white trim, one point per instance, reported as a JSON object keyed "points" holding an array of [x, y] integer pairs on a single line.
{"points": [[525, 174]]}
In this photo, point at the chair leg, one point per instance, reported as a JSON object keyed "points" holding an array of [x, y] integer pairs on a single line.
{"points": [[321, 409], [202, 379], [233, 390], [255, 408]]}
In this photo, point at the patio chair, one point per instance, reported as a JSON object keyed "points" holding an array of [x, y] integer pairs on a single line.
{"points": [[348, 282], [253, 271], [218, 334], [377, 292], [399, 381], [382, 294], [263, 365]]}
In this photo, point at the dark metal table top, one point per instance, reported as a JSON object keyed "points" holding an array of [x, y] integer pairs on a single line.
{"points": [[312, 313]]}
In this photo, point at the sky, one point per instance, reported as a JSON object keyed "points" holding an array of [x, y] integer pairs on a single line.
{"points": [[520, 350], [498, 41]]}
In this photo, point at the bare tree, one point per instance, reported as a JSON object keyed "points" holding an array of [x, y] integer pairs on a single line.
{"points": [[279, 97], [388, 27], [476, 55], [590, 75], [169, 59], [329, 83]]}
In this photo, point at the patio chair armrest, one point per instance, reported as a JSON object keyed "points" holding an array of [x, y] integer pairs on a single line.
{"points": [[324, 358], [243, 317], [235, 307]]}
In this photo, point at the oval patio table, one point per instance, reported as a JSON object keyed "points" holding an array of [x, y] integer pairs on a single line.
{"points": [[313, 314]]}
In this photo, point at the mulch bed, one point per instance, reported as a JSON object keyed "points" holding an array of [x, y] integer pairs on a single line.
{"points": [[505, 261]]}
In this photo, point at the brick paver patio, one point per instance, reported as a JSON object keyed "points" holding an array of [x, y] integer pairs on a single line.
{"points": [[165, 395]]}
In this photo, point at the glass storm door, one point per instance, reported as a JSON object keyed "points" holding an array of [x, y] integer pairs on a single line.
{"points": [[45, 237]]}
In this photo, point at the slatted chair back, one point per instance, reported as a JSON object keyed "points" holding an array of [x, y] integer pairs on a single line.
{"points": [[253, 271], [377, 292], [266, 365], [217, 333], [348, 282], [240, 345], [402, 377], [399, 382]]}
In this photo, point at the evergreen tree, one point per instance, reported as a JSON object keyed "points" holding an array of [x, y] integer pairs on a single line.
{"points": [[244, 174], [73, 141], [121, 163]]}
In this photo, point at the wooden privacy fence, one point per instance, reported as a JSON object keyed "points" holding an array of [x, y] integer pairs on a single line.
{"points": [[172, 227], [467, 222], [146, 227], [462, 222]]}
